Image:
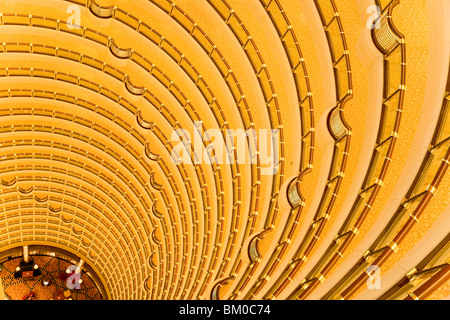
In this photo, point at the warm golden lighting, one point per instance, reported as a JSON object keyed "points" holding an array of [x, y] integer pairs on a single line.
{"points": [[226, 149]]}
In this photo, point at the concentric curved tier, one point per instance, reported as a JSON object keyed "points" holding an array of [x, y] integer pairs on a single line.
{"points": [[227, 149]]}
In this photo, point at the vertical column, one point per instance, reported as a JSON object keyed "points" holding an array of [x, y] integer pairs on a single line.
{"points": [[26, 255]]}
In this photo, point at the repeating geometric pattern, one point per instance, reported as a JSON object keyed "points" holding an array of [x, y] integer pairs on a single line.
{"points": [[228, 149], [51, 268]]}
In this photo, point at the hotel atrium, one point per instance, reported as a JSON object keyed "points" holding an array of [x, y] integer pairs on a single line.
{"points": [[224, 150]]}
